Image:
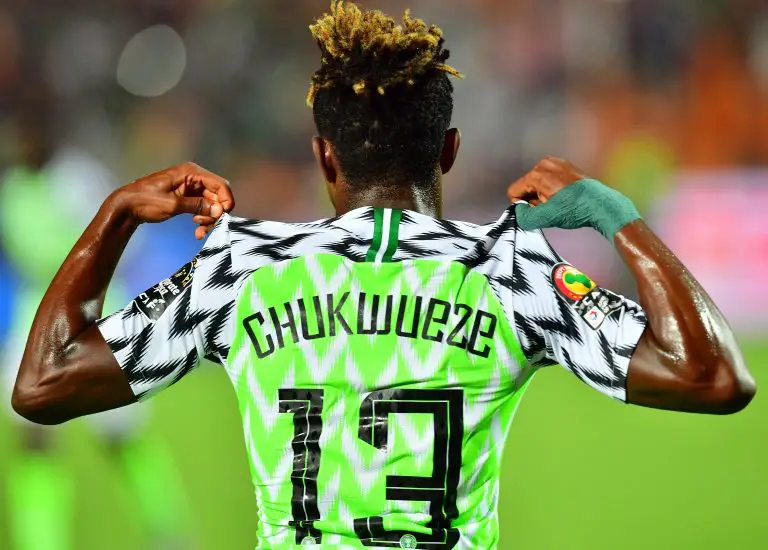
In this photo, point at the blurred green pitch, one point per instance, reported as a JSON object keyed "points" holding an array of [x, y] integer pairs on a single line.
{"points": [[581, 472]]}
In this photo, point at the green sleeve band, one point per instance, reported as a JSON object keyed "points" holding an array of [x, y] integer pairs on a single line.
{"points": [[586, 203]]}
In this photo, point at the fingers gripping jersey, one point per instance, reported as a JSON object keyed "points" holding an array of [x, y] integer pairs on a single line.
{"points": [[378, 359]]}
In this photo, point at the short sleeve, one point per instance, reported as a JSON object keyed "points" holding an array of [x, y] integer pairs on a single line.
{"points": [[167, 330], [563, 317]]}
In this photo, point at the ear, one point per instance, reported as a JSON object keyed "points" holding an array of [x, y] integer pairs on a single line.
{"points": [[325, 159], [450, 149]]}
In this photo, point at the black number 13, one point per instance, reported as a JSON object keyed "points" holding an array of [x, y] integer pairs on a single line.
{"points": [[440, 489]]}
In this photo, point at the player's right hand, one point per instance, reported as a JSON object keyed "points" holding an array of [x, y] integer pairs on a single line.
{"points": [[182, 189]]}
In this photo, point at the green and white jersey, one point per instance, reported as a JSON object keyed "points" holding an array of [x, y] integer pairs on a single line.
{"points": [[378, 359]]}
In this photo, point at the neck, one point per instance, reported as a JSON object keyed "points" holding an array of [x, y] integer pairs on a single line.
{"points": [[424, 200]]}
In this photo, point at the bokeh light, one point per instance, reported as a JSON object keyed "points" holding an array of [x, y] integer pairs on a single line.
{"points": [[152, 62]]}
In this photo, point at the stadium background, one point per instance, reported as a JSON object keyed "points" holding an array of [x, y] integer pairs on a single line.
{"points": [[668, 101]]}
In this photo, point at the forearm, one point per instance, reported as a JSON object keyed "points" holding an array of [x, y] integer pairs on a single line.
{"points": [[75, 298], [689, 334], [69, 369], [687, 359]]}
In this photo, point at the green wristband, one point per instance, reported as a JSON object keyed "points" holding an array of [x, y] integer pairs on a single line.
{"points": [[586, 203]]}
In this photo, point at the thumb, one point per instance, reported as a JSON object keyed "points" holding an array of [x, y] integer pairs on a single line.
{"points": [[199, 206]]}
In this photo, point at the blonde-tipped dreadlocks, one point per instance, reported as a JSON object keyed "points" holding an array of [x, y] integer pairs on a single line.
{"points": [[383, 96], [368, 50]]}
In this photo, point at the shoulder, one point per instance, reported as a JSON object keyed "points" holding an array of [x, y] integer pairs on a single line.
{"points": [[505, 233], [507, 254], [495, 242], [422, 236], [256, 243]]}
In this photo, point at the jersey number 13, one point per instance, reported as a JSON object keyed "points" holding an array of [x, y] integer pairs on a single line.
{"points": [[439, 489]]}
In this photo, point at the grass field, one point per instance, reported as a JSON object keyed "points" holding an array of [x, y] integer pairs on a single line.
{"points": [[581, 472]]}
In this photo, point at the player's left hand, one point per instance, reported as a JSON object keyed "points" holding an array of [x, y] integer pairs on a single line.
{"points": [[182, 189], [549, 176], [560, 195]]}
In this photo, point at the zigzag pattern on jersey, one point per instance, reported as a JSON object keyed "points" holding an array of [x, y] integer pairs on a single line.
{"points": [[260, 242], [157, 355], [294, 261], [545, 320], [254, 244], [516, 263]]}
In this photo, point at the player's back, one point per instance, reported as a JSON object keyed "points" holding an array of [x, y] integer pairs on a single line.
{"points": [[376, 373], [378, 358]]}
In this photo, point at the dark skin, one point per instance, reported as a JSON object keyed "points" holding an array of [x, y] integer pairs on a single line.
{"points": [[68, 370], [687, 359], [346, 197]]}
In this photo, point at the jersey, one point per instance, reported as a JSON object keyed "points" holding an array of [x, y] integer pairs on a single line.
{"points": [[378, 359]]}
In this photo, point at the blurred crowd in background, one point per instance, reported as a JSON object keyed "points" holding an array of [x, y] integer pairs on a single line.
{"points": [[632, 91], [603, 82], [667, 101]]}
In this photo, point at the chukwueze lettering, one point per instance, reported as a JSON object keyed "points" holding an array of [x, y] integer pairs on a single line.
{"points": [[414, 317]]}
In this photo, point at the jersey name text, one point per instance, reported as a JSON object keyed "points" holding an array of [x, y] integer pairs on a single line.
{"points": [[457, 325]]}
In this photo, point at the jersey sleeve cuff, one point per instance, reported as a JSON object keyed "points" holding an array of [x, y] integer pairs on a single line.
{"points": [[632, 325], [111, 329]]}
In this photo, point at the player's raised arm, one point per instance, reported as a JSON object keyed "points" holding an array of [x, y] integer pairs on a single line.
{"points": [[68, 369], [687, 358]]}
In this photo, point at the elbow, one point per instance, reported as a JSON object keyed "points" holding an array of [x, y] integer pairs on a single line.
{"points": [[38, 404], [692, 378], [725, 387], [732, 390]]}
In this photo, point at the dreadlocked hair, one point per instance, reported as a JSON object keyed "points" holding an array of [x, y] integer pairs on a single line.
{"points": [[368, 50], [382, 95]]}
